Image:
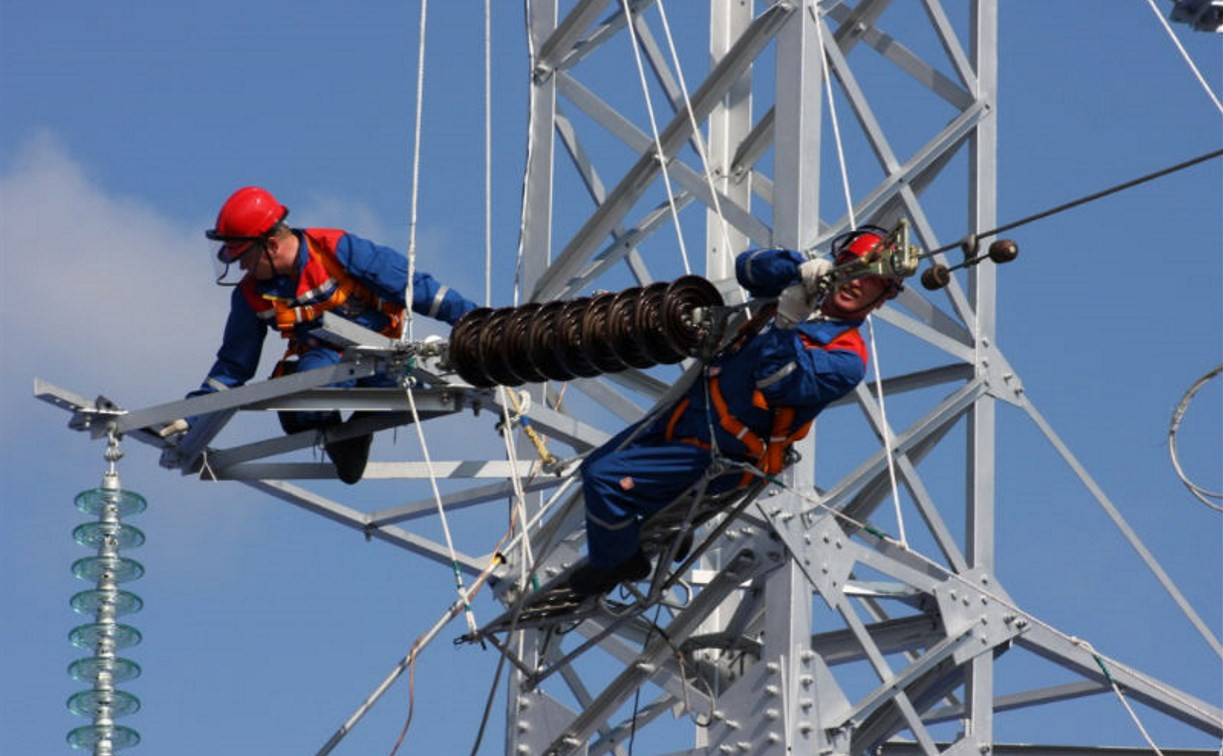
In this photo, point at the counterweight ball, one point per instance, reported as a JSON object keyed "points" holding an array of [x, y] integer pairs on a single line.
{"points": [[935, 277], [1003, 251], [606, 333]]}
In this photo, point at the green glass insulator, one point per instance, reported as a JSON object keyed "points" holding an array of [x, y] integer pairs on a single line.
{"points": [[87, 636], [88, 736], [87, 602], [95, 500], [87, 669], [93, 534], [93, 568], [87, 702]]}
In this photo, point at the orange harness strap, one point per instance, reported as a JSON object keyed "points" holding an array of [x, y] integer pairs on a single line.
{"points": [[676, 414], [346, 286], [770, 457]]}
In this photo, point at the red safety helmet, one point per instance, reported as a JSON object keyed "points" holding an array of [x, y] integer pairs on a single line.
{"points": [[859, 243], [249, 215]]}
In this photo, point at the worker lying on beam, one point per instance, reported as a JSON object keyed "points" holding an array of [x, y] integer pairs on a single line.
{"points": [[753, 401], [289, 278]]}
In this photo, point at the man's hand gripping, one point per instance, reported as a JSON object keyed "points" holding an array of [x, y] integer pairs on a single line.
{"points": [[800, 299]]}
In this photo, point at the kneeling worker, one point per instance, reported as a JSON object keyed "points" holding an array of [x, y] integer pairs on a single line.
{"points": [[291, 276]]}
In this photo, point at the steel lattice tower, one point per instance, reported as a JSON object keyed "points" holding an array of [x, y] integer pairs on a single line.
{"points": [[805, 631], [930, 636]]}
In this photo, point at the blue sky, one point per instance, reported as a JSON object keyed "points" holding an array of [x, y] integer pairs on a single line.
{"points": [[123, 127]]}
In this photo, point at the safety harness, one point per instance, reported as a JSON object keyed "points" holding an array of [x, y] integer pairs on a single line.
{"points": [[322, 285], [767, 455]]}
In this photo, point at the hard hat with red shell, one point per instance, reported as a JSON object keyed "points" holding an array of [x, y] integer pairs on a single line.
{"points": [[859, 243], [249, 215]]}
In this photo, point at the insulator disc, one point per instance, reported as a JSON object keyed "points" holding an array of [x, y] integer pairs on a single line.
{"points": [[88, 736], [87, 636], [543, 342], [515, 347], [87, 702], [683, 296], [93, 534], [464, 354], [87, 669], [121, 569], [627, 341], [95, 500], [88, 602], [648, 322], [492, 337], [596, 335], [570, 352]]}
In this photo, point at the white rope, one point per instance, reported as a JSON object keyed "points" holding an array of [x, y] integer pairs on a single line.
{"points": [[698, 142], [441, 509], [1117, 689], [658, 153], [832, 113], [405, 332], [885, 431], [1137, 722], [1185, 54], [511, 453], [488, 153]]}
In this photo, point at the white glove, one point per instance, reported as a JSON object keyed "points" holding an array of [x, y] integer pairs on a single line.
{"points": [[793, 306], [174, 428], [811, 272]]}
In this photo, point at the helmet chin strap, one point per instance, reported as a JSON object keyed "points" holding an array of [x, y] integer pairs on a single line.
{"points": [[267, 253]]}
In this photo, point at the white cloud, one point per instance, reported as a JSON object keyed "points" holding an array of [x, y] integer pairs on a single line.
{"points": [[101, 295], [100, 291]]}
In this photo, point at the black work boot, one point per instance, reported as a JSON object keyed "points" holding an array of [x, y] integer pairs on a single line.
{"points": [[349, 455], [589, 581]]}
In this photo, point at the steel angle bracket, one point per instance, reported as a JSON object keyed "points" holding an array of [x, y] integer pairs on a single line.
{"points": [[999, 378], [819, 551], [756, 713], [973, 603], [537, 717], [86, 413]]}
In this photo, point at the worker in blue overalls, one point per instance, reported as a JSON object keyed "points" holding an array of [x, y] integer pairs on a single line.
{"points": [[754, 400], [289, 278]]}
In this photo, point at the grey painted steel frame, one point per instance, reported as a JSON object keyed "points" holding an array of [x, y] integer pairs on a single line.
{"points": [[790, 696]]}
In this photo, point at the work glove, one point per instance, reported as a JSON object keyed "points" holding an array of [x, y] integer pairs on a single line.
{"points": [[793, 306], [810, 273]]}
